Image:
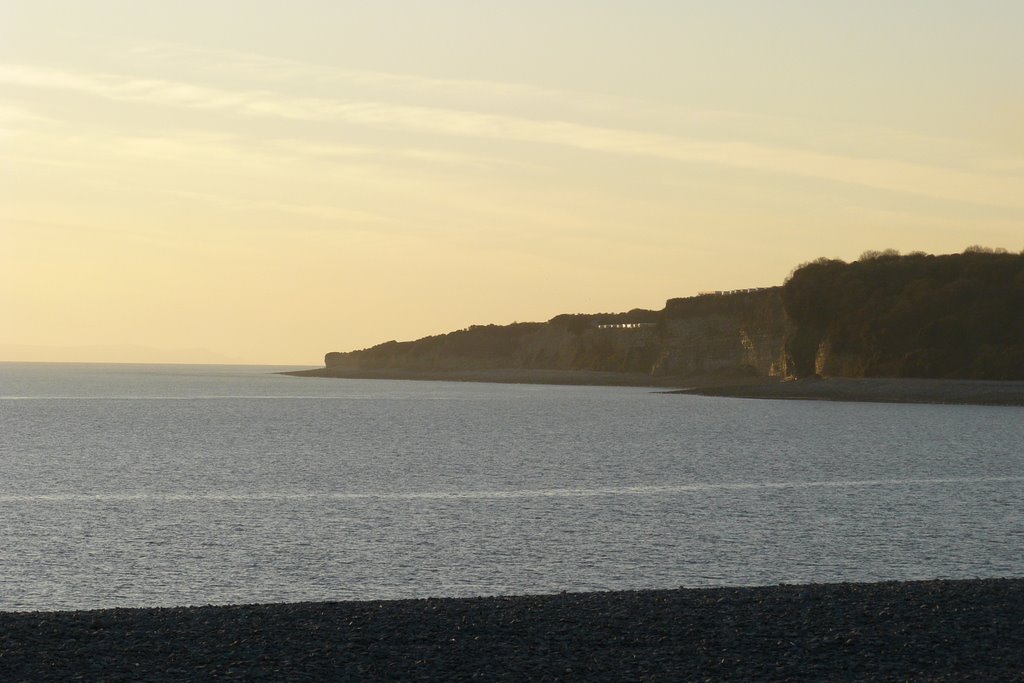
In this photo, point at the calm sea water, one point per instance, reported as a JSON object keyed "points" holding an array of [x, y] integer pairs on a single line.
{"points": [[181, 485]]}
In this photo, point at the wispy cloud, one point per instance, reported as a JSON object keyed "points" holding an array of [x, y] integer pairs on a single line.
{"points": [[264, 68], [328, 151], [10, 114], [330, 213], [337, 187], [489, 95], [885, 174], [14, 118]]}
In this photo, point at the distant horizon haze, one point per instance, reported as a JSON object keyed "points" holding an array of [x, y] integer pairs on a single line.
{"points": [[184, 182]]}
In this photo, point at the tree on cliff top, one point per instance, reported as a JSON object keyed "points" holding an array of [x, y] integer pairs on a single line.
{"points": [[960, 315]]}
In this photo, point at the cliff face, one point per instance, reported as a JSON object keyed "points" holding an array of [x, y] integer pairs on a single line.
{"points": [[957, 315], [742, 332], [712, 333]]}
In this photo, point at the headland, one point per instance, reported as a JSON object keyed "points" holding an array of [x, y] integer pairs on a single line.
{"points": [[913, 328]]}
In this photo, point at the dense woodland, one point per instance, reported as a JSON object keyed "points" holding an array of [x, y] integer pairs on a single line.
{"points": [[886, 315]]}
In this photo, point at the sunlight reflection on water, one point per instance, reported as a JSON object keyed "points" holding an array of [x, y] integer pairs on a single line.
{"points": [[224, 486]]}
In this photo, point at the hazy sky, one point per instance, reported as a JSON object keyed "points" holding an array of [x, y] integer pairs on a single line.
{"points": [[265, 181]]}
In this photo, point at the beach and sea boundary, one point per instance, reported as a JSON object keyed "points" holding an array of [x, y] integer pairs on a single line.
{"points": [[878, 390], [873, 389]]}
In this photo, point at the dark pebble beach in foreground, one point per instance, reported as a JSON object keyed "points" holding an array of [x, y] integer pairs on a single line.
{"points": [[921, 631]]}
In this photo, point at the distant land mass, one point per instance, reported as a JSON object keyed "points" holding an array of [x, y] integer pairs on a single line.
{"points": [[957, 316]]}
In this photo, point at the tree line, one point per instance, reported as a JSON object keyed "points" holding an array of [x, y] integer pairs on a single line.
{"points": [[918, 315]]}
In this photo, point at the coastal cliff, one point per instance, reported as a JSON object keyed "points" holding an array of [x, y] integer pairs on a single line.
{"points": [[955, 316], [952, 316], [739, 332]]}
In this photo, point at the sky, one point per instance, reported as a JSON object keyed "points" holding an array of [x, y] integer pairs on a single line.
{"points": [[266, 181]]}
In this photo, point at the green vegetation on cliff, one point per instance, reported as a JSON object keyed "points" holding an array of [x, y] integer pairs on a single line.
{"points": [[885, 315], [959, 315], [478, 347]]}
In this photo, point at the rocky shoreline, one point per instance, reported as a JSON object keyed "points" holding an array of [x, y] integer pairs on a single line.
{"points": [[873, 389], [498, 376], [922, 631], [877, 390]]}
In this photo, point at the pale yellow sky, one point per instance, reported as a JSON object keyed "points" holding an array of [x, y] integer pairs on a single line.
{"points": [[263, 182]]}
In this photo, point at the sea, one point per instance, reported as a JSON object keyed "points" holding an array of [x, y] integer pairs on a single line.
{"points": [[170, 485]]}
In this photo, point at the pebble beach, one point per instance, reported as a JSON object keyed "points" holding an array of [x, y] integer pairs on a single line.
{"points": [[965, 630]]}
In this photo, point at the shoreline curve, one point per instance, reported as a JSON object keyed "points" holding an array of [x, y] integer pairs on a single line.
{"points": [[872, 389]]}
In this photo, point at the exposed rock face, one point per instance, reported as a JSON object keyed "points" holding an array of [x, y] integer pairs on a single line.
{"points": [[957, 315], [698, 335], [719, 332]]}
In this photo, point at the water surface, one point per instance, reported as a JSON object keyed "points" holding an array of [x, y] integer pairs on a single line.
{"points": [[170, 485]]}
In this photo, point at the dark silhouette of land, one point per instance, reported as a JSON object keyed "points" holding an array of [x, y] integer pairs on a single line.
{"points": [[885, 316], [954, 316]]}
